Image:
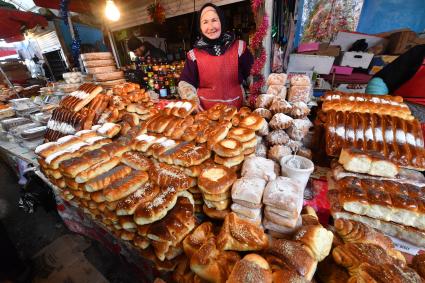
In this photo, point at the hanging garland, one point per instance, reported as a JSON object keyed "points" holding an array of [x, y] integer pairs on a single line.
{"points": [[259, 53], [76, 42], [156, 12]]}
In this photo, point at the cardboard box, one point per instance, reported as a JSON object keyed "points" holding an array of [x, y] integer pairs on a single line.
{"points": [[346, 39], [400, 42], [319, 64], [339, 70], [356, 59], [325, 50]]}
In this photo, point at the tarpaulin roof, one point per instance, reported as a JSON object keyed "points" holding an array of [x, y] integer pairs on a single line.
{"points": [[13, 23], [77, 6]]}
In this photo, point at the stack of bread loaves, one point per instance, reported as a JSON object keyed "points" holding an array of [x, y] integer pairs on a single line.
{"points": [[102, 66], [300, 89], [288, 130], [283, 199], [215, 182], [247, 192]]}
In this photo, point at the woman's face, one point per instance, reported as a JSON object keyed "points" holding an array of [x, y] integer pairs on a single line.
{"points": [[210, 23]]}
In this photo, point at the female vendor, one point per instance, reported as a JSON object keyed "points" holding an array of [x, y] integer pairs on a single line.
{"points": [[217, 65]]}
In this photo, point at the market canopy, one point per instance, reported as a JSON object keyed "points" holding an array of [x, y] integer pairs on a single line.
{"points": [[13, 23]]}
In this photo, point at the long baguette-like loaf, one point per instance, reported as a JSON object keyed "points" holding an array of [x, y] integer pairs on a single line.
{"points": [[107, 178], [76, 165], [124, 187], [145, 193], [97, 170]]}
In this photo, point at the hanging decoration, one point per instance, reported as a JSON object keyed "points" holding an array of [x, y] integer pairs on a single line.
{"points": [[64, 11], [76, 42], [76, 48], [156, 12], [259, 52]]}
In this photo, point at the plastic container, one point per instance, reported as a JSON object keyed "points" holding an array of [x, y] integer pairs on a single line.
{"points": [[297, 168]]}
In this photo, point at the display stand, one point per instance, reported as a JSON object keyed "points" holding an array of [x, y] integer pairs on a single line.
{"points": [[79, 222]]}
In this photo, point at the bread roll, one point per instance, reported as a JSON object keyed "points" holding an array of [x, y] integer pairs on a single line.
{"points": [[136, 160], [211, 264], [216, 179], [141, 242], [145, 193], [156, 209], [351, 256], [241, 235], [97, 170], [241, 134], [165, 175], [197, 238], [228, 148], [317, 238], [214, 213], [296, 255], [124, 187], [252, 121], [105, 179], [251, 269]]}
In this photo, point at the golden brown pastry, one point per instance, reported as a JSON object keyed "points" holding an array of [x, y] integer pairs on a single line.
{"points": [[107, 178], [211, 264], [216, 179], [228, 148], [317, 239], [124, 187], [241, 235], [351, 256], [136, 160], [97, 170], [145, 193], [214, 213], [356, 232], [251, 269], [252, 121], [197, 238], [241, 134], [296, 255], [165, 175], [385, 273]]}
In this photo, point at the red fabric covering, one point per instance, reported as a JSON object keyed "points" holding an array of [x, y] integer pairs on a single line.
{"points": [[414, 89], [78, 6], [320, 203], [218, 78], [13, 23]]}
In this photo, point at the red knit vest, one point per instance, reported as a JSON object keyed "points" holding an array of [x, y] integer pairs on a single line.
{"points": [[218, 78]]}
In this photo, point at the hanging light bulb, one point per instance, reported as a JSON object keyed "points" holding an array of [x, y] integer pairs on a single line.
{"points": [[111, 11]]}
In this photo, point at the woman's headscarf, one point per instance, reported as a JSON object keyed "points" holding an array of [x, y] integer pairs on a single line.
{"points": [[219, 45]]}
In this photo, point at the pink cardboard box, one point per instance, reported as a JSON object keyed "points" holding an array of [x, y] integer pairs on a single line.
{"points": [[310, 46], [340, 70]]}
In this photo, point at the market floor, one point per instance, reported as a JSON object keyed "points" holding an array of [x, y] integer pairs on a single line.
{"points": [[31, 232]]}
